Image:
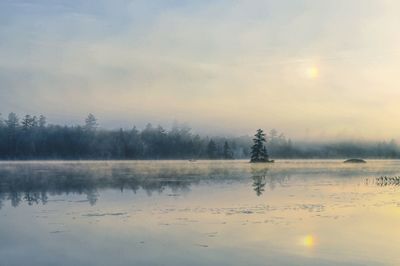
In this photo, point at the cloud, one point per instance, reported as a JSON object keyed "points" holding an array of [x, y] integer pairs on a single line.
{"points": [[222, 66]]}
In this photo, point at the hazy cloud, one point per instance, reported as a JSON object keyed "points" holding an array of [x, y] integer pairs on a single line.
{"points": [[222, 66]]}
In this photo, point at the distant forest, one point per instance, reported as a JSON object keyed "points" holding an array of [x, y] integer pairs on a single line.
{"points": [[31, 137]]}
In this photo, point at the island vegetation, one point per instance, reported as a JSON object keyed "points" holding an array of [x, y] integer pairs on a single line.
{"points": [[259, 153], [31, 137]]}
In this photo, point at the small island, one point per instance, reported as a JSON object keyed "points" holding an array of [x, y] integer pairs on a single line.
{"points": [[259, 152], [355, 160]]}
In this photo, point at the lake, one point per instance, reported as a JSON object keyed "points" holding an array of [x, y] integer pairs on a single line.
{"points": [[293, 212]]}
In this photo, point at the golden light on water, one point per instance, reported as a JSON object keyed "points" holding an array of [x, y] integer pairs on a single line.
{"points": [[308, 241], [312, 72]]}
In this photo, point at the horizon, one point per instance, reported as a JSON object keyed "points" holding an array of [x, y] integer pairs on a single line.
{"points": [[179, 125], [310, 69]]}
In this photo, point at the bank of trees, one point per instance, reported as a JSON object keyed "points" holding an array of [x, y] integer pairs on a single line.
{"points": [[31, 137]]}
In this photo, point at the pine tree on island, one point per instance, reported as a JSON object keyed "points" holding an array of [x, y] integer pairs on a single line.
{"points": [[259, 152]]}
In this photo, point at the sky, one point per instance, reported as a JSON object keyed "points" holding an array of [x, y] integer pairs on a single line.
{"points": [[311, 69]]}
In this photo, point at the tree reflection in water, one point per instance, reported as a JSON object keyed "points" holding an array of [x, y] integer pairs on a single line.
{"points": [[33, 183], [261, 179], [259, 183]]}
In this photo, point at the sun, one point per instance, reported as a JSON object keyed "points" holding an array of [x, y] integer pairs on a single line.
{"points": [[312, 72], [308, 241]]}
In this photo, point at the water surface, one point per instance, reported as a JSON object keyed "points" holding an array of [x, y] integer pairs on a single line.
{"points": [[199, 213]]}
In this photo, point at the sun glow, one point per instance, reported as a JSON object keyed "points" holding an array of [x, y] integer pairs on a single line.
{"points": [[308, 241], [312, 72]]}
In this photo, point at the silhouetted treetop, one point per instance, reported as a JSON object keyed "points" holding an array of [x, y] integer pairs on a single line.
{"points": [[91, 122], [259, 152]]}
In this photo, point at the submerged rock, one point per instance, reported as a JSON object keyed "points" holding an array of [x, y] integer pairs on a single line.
{"points": [[355, 160]]}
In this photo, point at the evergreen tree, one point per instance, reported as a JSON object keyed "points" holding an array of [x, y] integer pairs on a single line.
{"points": [[12, 122], [258, 150], [29, 122], [227, 151], [12, 129], [264, 153], [91, 122], [26, 122], [42, 121], [212, 149]]}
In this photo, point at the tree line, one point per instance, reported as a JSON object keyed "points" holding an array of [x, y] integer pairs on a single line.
{"points": [[31, 137]]}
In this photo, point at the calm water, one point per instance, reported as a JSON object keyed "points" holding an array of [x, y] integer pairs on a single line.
{"points": [[199, 213]]}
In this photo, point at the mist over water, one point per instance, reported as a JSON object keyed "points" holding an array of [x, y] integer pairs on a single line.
{"points": [[294, 212]]}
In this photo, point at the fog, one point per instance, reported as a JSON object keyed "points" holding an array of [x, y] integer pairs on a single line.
{"points": [[315, 70]]}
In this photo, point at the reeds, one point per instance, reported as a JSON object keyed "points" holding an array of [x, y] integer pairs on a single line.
{"points": [[388, 181]]}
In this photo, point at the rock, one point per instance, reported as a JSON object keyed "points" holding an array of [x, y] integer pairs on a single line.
{"points": [[355, 160]]}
